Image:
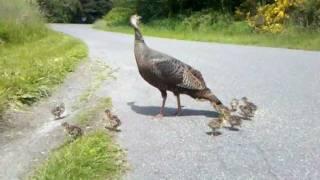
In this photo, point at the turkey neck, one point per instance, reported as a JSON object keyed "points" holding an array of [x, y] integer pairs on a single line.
{"points": [[139, 46]]}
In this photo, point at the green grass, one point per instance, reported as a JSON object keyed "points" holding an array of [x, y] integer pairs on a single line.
{"points": [[84, 117], [94, 156], [30, 70], [33, 59], [20, 22], [236, 33], [101, 72]]}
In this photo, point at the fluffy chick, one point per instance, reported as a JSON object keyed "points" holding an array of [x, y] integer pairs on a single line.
{"points": [[215, 124], [246, 111], [73, 130], [113, 121], [251, 105], [235, 120], [234, 105], [58, 110]]}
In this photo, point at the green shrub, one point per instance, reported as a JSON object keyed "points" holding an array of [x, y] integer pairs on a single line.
{"points": [[94, 9], [60, 11], [20, 22], [307, 14], [74, 11], [168, 23], [118, 16], [207, 20], [247, 7]]}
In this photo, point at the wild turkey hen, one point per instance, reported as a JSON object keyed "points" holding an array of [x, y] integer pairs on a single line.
{"points": [[169, 74]]}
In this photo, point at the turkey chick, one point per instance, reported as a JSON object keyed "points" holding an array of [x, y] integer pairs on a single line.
{"points": [[58, 110], [113, 122], [234, 105], [215, 124], [73, 130]]}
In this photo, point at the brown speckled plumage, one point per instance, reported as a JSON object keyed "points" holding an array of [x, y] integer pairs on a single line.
{"points": [[73, 130], [113, 122], [169, 74], [58, 110]]}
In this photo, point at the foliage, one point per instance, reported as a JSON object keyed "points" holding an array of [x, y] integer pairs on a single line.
{"points": [[94, 9], [271, 17], [159, 9], [75, 11], [236, 33], [307, 14], [60, 11], [20, 22], [207, 20], [247, 7], [118, 16], [94, 156]]}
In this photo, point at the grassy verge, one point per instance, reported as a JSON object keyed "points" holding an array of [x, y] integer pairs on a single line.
{"points": [[33, 59], [30, 69], [236, 33], [94, 156], [101, 72], [93, 112]]}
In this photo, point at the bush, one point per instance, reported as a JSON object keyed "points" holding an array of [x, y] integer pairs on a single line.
{"points": [[20, 22], [74, 11], [60, 11], [307, 14], [206, 20], [94, 9], [273, 17], [168, 23], [118, 16], [247, 7]]}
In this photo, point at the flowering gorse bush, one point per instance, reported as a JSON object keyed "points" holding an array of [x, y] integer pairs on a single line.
{"points": [[271, 17]]}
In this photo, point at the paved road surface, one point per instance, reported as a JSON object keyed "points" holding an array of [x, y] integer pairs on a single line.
{"points": [[281, 143]]}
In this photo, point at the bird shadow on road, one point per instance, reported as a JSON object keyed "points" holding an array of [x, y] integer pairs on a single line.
{"points": [[170, 112]]}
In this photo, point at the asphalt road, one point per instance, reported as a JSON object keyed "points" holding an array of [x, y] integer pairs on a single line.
{"points": [[282, 142]]}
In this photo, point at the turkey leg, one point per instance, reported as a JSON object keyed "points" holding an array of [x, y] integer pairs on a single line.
{"points": [[164, 98], [178, 112]]}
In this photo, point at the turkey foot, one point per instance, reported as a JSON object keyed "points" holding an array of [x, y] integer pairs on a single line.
{"points": [[178, 112], [158, 116]]}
